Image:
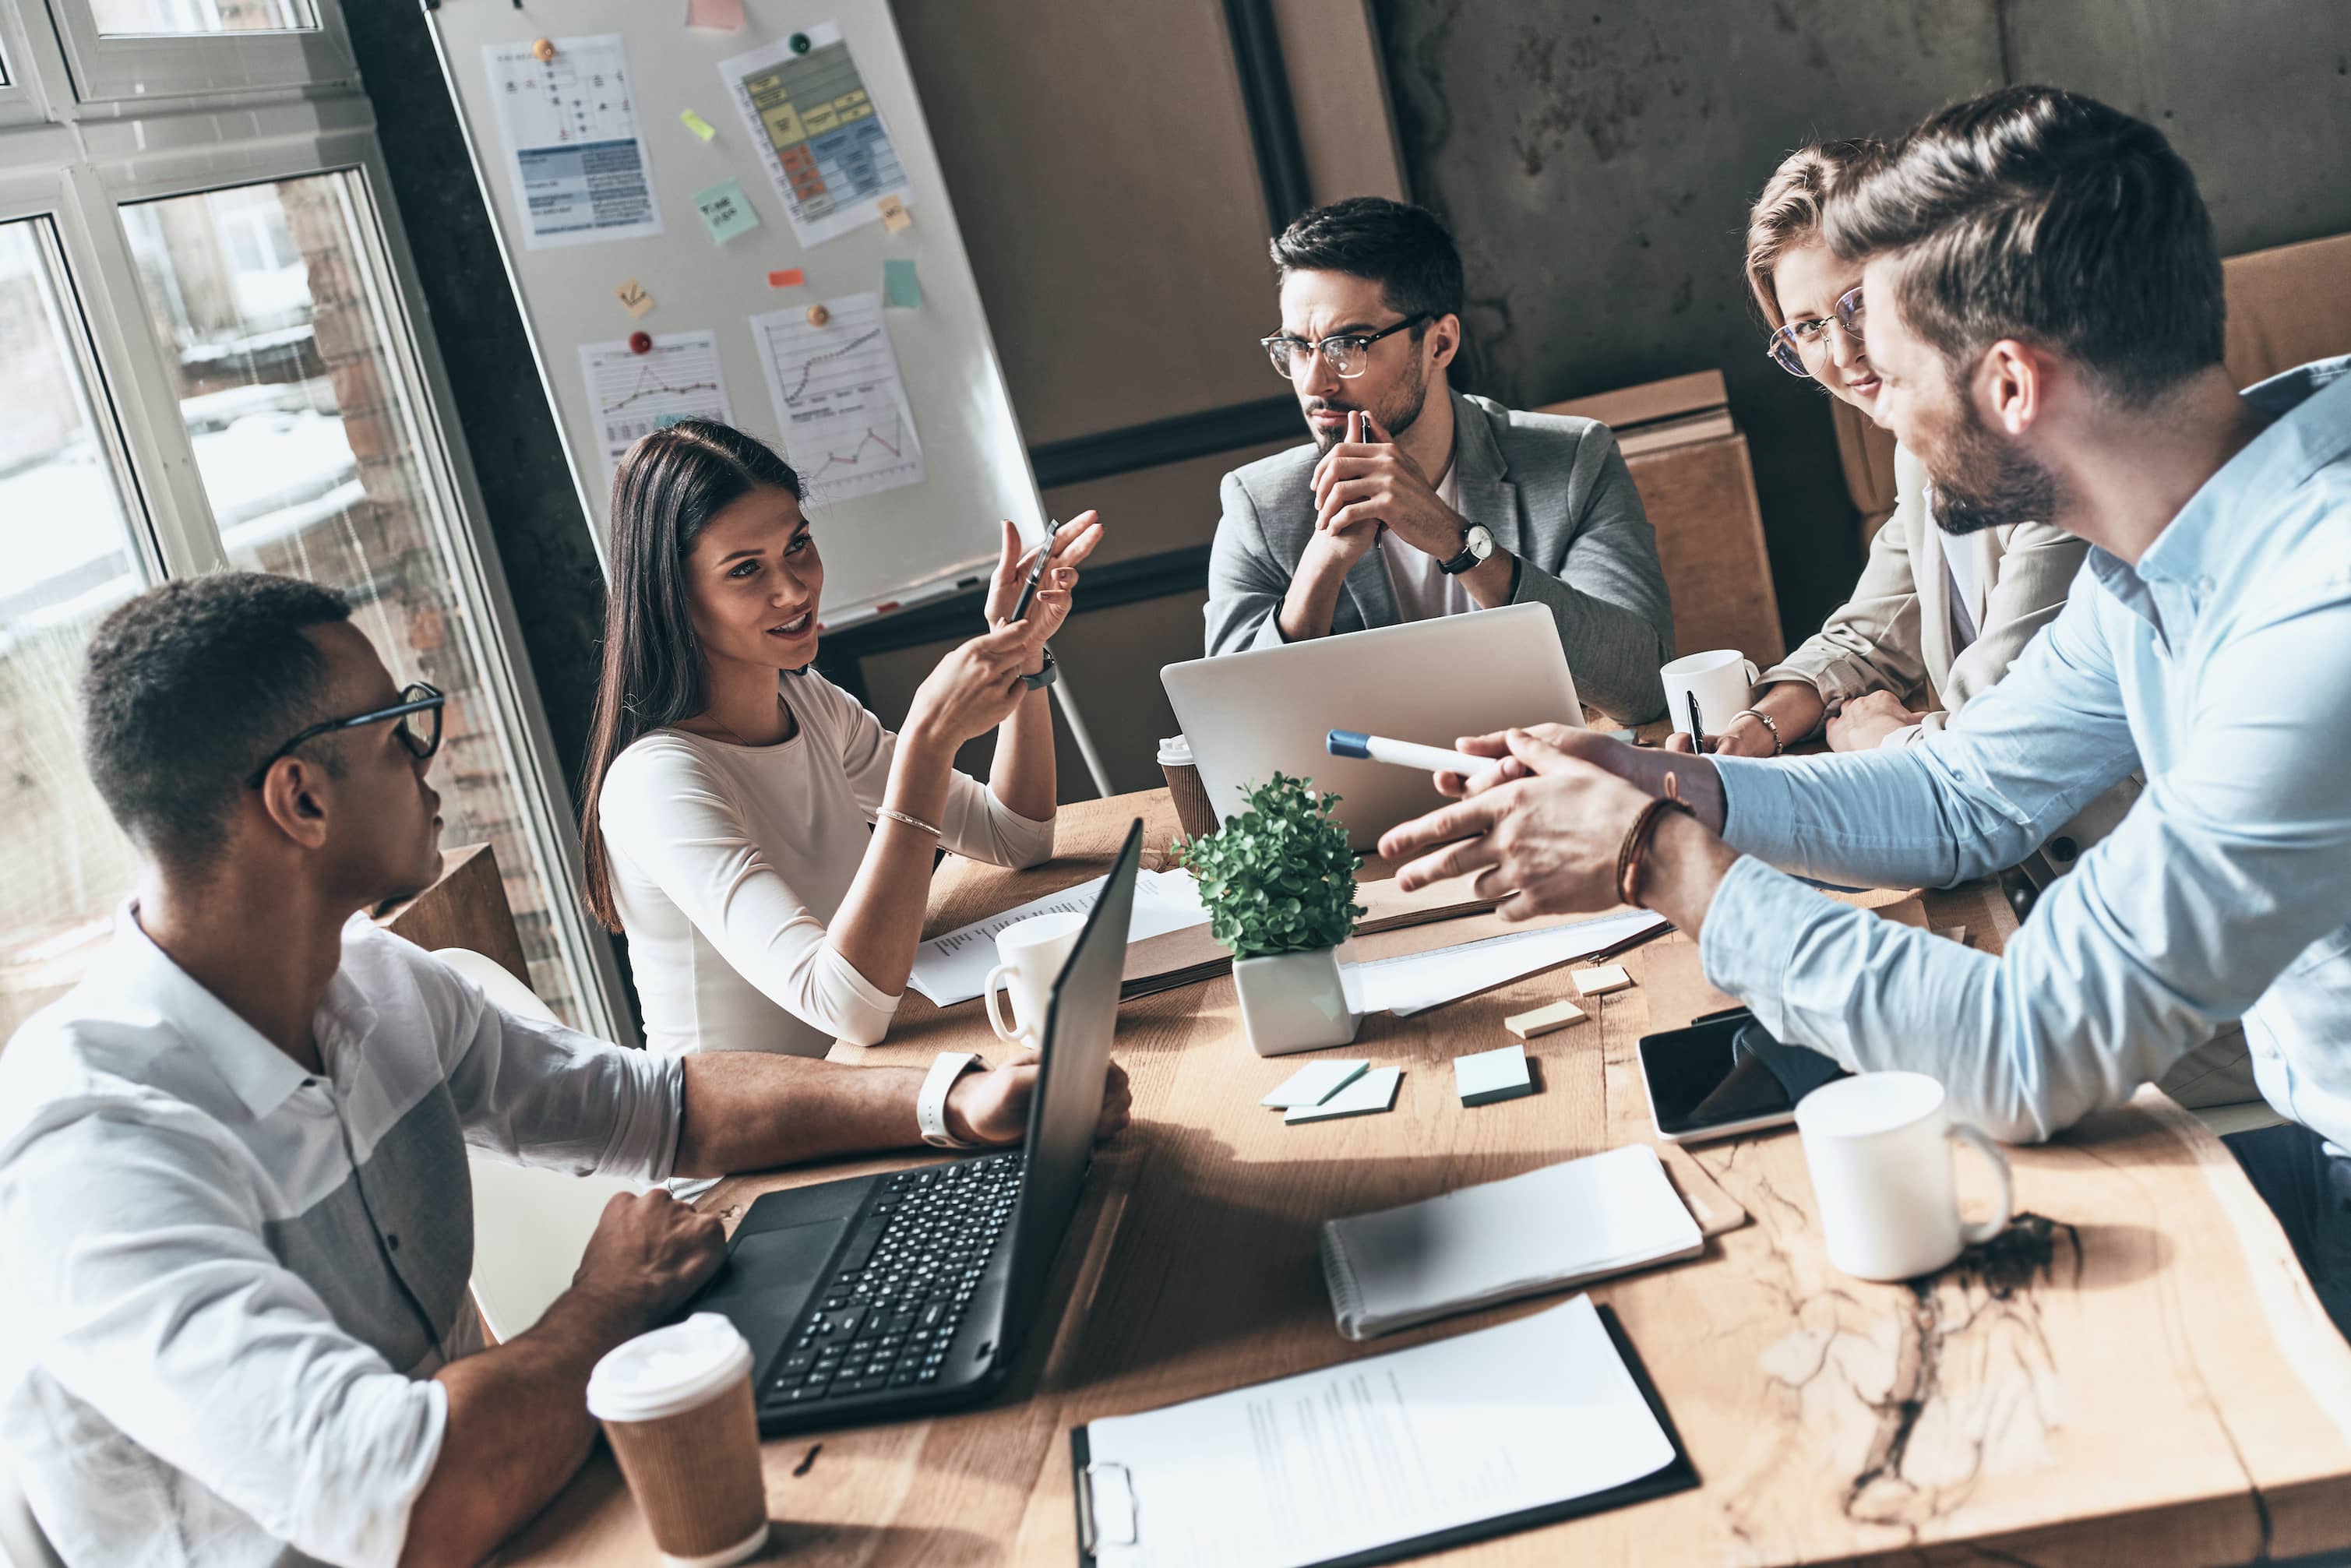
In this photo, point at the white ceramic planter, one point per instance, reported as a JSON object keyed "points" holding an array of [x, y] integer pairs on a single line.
{"points": [[1294, 1001]]}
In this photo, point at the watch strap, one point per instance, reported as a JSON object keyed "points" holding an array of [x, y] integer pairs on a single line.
{"points": [[931, 1104], [1045, 676], [1469, 556]]}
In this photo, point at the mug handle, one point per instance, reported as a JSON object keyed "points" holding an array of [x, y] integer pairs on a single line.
{"points": [[1984, 1230], [989, 990], [1753, 674]]}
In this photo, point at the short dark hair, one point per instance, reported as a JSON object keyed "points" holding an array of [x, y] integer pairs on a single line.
{"points": [[1401, 247], [185, 688], [2043, 216]]}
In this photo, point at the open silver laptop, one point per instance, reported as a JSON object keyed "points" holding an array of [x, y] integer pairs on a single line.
{"points": [[1247, 715]]}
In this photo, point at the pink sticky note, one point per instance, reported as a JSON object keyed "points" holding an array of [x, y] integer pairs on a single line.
{"points": [[727, 13], [789, 279]]}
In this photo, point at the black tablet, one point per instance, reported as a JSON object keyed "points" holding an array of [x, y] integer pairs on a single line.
{"points": [[1724, 1076]]}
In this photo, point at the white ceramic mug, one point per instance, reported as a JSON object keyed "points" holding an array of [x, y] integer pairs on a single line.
{"points": [[1723, 681], [1879, 1147], [1029, 955]]}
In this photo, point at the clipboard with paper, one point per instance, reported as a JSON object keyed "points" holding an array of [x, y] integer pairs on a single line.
{"points": [[1540, 1419]]}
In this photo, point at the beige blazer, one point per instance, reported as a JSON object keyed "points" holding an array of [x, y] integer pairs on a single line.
{"points": [[1895, 633]]}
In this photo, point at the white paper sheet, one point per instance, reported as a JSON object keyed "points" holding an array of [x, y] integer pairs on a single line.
{"points": [[1381, 1450], [581, 173], [676, 378], [950, 968], [1418, 981], [819, 132], [839, 399]]}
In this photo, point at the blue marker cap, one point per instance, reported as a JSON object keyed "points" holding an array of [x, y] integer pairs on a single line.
{"points": [[1348, 743]]}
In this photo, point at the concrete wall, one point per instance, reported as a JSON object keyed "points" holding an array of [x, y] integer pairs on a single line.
{"points": [[1596, 163]]}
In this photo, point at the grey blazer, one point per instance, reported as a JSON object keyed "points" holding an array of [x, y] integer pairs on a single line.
{"points": [[1553, 491]]}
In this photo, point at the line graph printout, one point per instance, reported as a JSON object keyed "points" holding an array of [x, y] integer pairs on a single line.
{"points": [[839, 399], [817, 133], [636, 394], [579, 169]]}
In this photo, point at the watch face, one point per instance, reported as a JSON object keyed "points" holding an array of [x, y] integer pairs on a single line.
{"points": [[1478, 541]]}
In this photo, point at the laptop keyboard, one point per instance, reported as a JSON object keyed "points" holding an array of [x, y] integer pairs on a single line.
{"points": [[885, 1316]]}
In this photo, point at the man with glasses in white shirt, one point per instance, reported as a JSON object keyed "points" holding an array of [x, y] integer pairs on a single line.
{"points": [[1414, 500], [235, 1219]]}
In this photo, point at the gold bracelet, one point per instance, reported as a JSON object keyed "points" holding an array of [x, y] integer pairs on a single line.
{"points": [[897, 816]]}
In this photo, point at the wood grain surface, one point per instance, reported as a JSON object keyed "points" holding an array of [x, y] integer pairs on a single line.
{"points": [[2136, 1373]]}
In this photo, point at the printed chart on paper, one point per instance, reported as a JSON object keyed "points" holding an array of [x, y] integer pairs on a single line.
{"points": [[838, 400], [636, 394], [818, 131], [570, 123]]}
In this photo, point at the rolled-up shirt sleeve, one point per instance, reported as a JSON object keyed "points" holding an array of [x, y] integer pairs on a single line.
{"points": [[153, 1298]]}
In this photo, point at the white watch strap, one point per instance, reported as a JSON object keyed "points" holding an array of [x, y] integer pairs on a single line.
{"points": [[931, 1104]]}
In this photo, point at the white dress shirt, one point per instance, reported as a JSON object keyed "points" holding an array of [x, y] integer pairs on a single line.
{"points": [[729, 862], [1423, 590], [2223, 664], [229, 1281]]}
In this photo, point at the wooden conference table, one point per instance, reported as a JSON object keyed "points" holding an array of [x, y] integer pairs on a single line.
{"points": [[2142, 1376]]}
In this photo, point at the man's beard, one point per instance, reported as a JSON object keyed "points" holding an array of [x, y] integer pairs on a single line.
{"points": [[1403, 410], [1982, 481]]}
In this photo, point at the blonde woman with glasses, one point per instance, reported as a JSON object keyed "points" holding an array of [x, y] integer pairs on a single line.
{"points": [[1936, 617]]}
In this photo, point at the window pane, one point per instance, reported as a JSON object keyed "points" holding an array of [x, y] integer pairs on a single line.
{"points": [[120, 18], [306, 438], [68, 560]]}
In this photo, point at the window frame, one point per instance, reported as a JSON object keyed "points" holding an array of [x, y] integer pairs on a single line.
{"points": [[78, 171], [145, 68]]}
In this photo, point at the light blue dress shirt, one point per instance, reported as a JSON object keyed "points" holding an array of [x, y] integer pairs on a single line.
{"points": [[2221, 665]]}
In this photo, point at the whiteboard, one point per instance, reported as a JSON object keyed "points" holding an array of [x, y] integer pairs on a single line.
{"points": [[882, 549]]}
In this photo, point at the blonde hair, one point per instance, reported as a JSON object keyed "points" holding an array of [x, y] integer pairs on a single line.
{"points": [[1788, 212]]}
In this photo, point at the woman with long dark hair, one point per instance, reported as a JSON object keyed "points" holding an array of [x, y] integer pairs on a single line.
{"points": [[730, 787]]}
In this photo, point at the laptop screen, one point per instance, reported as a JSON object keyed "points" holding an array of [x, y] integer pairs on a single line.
{"points": [[1078, 1022]]}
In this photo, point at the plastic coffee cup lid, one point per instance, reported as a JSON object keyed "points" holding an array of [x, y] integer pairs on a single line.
{"points": [[1175, 752], [668, 1370]]}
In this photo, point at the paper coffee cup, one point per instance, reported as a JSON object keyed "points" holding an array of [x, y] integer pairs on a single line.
{"points": [[676, 1405], [1193, 812]]}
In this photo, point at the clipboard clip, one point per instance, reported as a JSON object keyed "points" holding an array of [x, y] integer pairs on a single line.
{"points": [[1106, 1510]]}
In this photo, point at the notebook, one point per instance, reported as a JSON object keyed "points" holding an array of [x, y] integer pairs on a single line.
{"points": [[1583, 1219], [1385, 1457]]}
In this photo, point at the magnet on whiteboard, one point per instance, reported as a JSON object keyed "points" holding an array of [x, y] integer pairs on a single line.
{"points": [[799, 43], [641, 342], [543, 50], [818, 315]]}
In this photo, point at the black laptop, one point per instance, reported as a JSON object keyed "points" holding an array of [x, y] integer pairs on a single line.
{"points": [[897, 1294]]}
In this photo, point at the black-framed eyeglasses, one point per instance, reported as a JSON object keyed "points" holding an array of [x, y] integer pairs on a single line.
{"points": [[417, 713], [1797, 347], [1349, 354]]}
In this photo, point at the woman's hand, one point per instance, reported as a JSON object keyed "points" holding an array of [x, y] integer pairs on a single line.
{"points": [[1743, 737], [1050, 606], [1867, 720], [975, 688]]}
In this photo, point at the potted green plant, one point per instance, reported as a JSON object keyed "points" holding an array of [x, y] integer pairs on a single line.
{"points": [[1278, 882]]}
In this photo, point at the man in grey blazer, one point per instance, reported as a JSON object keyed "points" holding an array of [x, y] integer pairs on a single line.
{"points": [[1415, 501]]}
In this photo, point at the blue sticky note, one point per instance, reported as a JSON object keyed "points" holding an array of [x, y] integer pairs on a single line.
{"points": [[726, 211], [901, 290]]}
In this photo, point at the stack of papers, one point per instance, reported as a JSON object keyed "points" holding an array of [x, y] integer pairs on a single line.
{"points": [[1419, 981], [950, 968], [1562, 1225]]}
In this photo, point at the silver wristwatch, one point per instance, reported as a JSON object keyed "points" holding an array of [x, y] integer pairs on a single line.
{"points": [[1477, 544]]}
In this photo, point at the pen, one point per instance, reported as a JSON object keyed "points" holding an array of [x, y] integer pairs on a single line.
{"points": [[1698, 725], [1403, 753], [1044, 554]]}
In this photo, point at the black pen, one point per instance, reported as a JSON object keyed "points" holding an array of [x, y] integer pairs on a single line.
{"points": [[1698, 725], [1044, 554]]}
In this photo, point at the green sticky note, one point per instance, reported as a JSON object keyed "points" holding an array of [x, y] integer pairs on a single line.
{"points": [[901, 290], [696, 124], [726, 211]]}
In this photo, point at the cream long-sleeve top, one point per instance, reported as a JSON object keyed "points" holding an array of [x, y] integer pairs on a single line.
{"points": [[729, 861]]}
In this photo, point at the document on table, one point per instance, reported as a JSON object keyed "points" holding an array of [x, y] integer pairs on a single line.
{"points": [[1418, 981], [950, 968], [1412, 1451], [579, 170]]}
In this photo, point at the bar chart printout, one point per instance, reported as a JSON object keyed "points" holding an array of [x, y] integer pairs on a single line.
{"points": [[817, 133], [839, 399], [634, 393]]}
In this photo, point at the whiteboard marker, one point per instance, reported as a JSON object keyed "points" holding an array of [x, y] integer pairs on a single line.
{"points": [[1405, 754]]}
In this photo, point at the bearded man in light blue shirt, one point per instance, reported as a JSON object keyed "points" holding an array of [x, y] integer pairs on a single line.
{"points": [[2043, 306]]}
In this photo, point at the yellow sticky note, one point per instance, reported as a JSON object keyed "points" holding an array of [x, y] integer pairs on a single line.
{"points": [[894, 215], [696, 124], [633, 295]]}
